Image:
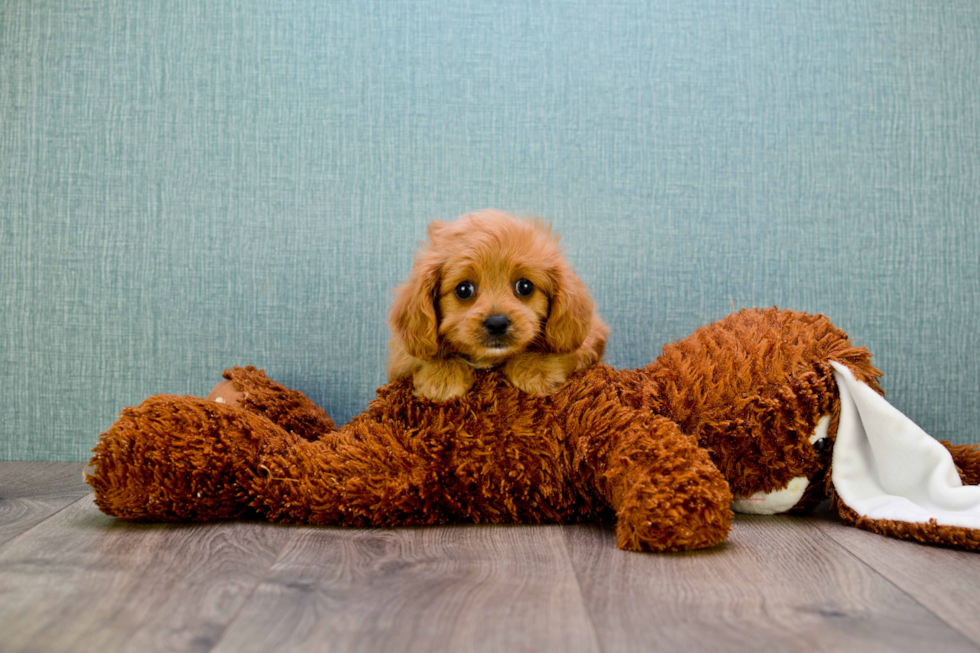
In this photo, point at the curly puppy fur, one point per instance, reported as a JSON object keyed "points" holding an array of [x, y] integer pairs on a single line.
{"points": [[487, 290]]}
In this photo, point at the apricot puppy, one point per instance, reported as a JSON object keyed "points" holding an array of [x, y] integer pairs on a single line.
{"points": [[490, 289]]}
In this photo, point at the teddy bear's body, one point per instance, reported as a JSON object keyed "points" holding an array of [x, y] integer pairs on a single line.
{"points": [[730, 409], [497, 455]]}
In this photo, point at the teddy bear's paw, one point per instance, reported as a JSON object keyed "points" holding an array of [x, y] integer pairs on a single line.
{"points": [[441, 380], [679, 528], [539, 374], [226, 393]]}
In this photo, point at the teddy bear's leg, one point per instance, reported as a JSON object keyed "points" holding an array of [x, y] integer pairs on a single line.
{"points": [[181, 458], [252, 390], [664, 489]]}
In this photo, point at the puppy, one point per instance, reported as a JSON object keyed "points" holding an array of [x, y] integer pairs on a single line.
{"points": [[487, 290]]}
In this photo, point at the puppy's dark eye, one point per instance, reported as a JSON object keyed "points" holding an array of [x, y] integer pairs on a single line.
{"points": [[822, 445], [524, 288], [465, 290]]}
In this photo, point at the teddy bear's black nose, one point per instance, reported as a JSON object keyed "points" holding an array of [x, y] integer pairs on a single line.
{"points": [[496, 325]]}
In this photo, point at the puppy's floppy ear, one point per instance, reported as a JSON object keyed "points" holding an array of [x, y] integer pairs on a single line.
{"points": [[413, 313], [570, 317]]}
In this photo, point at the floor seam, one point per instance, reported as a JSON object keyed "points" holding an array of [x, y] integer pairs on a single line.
{"points": [[578, 585], [251, 593], [898, 587], [7, 543]]}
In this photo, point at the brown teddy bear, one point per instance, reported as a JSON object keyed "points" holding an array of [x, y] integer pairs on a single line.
{"points": [[765, 410]]}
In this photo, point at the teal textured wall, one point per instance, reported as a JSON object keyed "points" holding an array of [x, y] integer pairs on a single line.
{"points": [[192, 184]]}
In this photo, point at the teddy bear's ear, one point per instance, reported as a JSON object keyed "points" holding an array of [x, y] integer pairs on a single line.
{"points": [[413, 317], [892, 478], [570, 315]]}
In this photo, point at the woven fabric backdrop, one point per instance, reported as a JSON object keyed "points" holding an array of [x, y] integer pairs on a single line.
{"points": [[193, 184]]}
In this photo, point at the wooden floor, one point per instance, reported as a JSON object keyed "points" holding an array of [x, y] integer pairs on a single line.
{"points": [[72, 579]]}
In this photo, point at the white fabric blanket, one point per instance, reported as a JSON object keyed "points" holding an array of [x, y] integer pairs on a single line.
{"points": [[886, 467]]}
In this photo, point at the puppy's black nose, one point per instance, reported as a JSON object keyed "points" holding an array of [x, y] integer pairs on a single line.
{"points": [[496, 325]]}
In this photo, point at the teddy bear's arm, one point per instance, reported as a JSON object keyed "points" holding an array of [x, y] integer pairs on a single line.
{"points": [[176, 458], [185, 458], [250, 389], [367, 473], [665, 491]]}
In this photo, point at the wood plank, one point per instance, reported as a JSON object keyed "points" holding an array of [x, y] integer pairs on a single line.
{"points": [[945, 581], [778, 583], [30, 492], [82, 581], [74, 579], [457, 588]]}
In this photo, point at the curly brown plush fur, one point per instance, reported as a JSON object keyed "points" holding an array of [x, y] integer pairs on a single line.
{"points": [[642, 446], [967, 459], [497, 455], [927, 533], [751, 389]]}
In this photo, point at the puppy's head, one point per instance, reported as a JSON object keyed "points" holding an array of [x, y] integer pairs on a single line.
{"points": [[489, 286]]}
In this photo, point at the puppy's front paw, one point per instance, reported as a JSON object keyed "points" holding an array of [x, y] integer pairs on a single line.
{"points": [[539, 374], [441, 380]]}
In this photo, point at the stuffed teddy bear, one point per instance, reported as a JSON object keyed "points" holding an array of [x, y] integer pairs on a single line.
{"points": [[765, 411]]}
